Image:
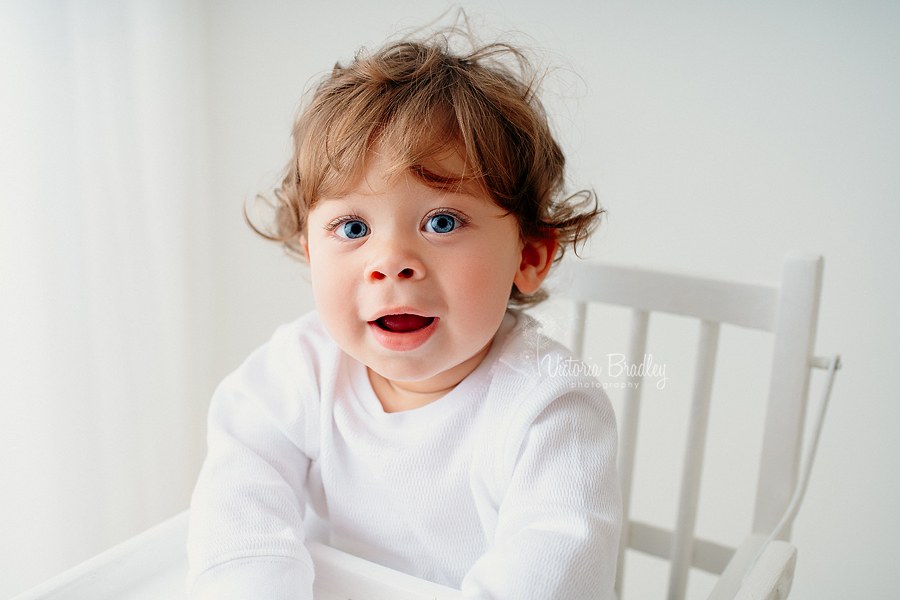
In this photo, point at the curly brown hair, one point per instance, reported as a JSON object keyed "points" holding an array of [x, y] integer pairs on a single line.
{"points": [[419, 98]]}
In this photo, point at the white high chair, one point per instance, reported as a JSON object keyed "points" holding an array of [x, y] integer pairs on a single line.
{"points": [[153, 565], [762, 566]]}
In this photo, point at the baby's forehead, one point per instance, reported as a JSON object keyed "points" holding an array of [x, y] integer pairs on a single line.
{"points": [[445, 169]]}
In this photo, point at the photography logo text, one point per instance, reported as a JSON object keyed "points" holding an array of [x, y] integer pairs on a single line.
{"points": [[617, 367]]}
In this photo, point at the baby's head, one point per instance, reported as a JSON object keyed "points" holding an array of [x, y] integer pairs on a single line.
{"points": [[426, 191], [417, 100]]}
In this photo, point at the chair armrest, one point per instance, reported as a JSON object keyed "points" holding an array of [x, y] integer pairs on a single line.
{"points": [[773, 574], [769, 579], [152, 564]]}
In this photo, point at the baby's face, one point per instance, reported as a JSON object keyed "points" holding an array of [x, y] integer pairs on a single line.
{"points": [[411, 280]]}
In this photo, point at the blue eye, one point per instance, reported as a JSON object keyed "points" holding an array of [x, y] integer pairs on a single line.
{"points": [[352, 229], [442, 223]]}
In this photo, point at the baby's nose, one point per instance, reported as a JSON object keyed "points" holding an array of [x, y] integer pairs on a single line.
{"points": [[395, 261]]}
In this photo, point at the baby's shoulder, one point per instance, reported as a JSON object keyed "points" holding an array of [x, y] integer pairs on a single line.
{"points": [[532, 364], [303, 335], [537, 397], [300, 344], [288, 369], [534, 374]]}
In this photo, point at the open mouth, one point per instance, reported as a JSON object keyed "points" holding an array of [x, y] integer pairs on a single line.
{"points": [[403, 323], [403, 331]]}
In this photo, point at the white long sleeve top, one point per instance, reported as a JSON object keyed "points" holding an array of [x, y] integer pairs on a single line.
{"points": [[505, 487]]}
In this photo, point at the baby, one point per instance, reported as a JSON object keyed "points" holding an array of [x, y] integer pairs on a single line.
{"points": [[408, 420]]}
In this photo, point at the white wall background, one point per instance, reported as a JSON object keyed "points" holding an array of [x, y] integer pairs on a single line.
{"points": [[720, 136]]}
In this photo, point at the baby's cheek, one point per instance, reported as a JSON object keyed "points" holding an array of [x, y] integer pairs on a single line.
{"points": [[484, 287], [330, 293]]}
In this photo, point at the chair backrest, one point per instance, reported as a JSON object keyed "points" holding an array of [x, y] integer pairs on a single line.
{"points": [[789, 311]]}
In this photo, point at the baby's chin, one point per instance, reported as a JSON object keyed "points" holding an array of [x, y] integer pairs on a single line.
{"points": [[415, 373], [427, 373]]}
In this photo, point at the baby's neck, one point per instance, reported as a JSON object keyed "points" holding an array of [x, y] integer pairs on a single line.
{"points": [[397, 396], [394, 397]]}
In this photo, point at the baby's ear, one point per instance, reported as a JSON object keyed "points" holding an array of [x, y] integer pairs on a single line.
{"points": [[537, 257]]}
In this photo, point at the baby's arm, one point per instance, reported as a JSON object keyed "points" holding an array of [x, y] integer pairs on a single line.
{"points": [[246, 528], [558, 523]]}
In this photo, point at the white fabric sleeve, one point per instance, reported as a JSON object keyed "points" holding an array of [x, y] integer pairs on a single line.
{"points": [[559, 521], [246, 538]]}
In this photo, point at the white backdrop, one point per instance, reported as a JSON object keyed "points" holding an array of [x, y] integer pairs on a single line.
{"points": [[719, 137], [104, 277]]}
